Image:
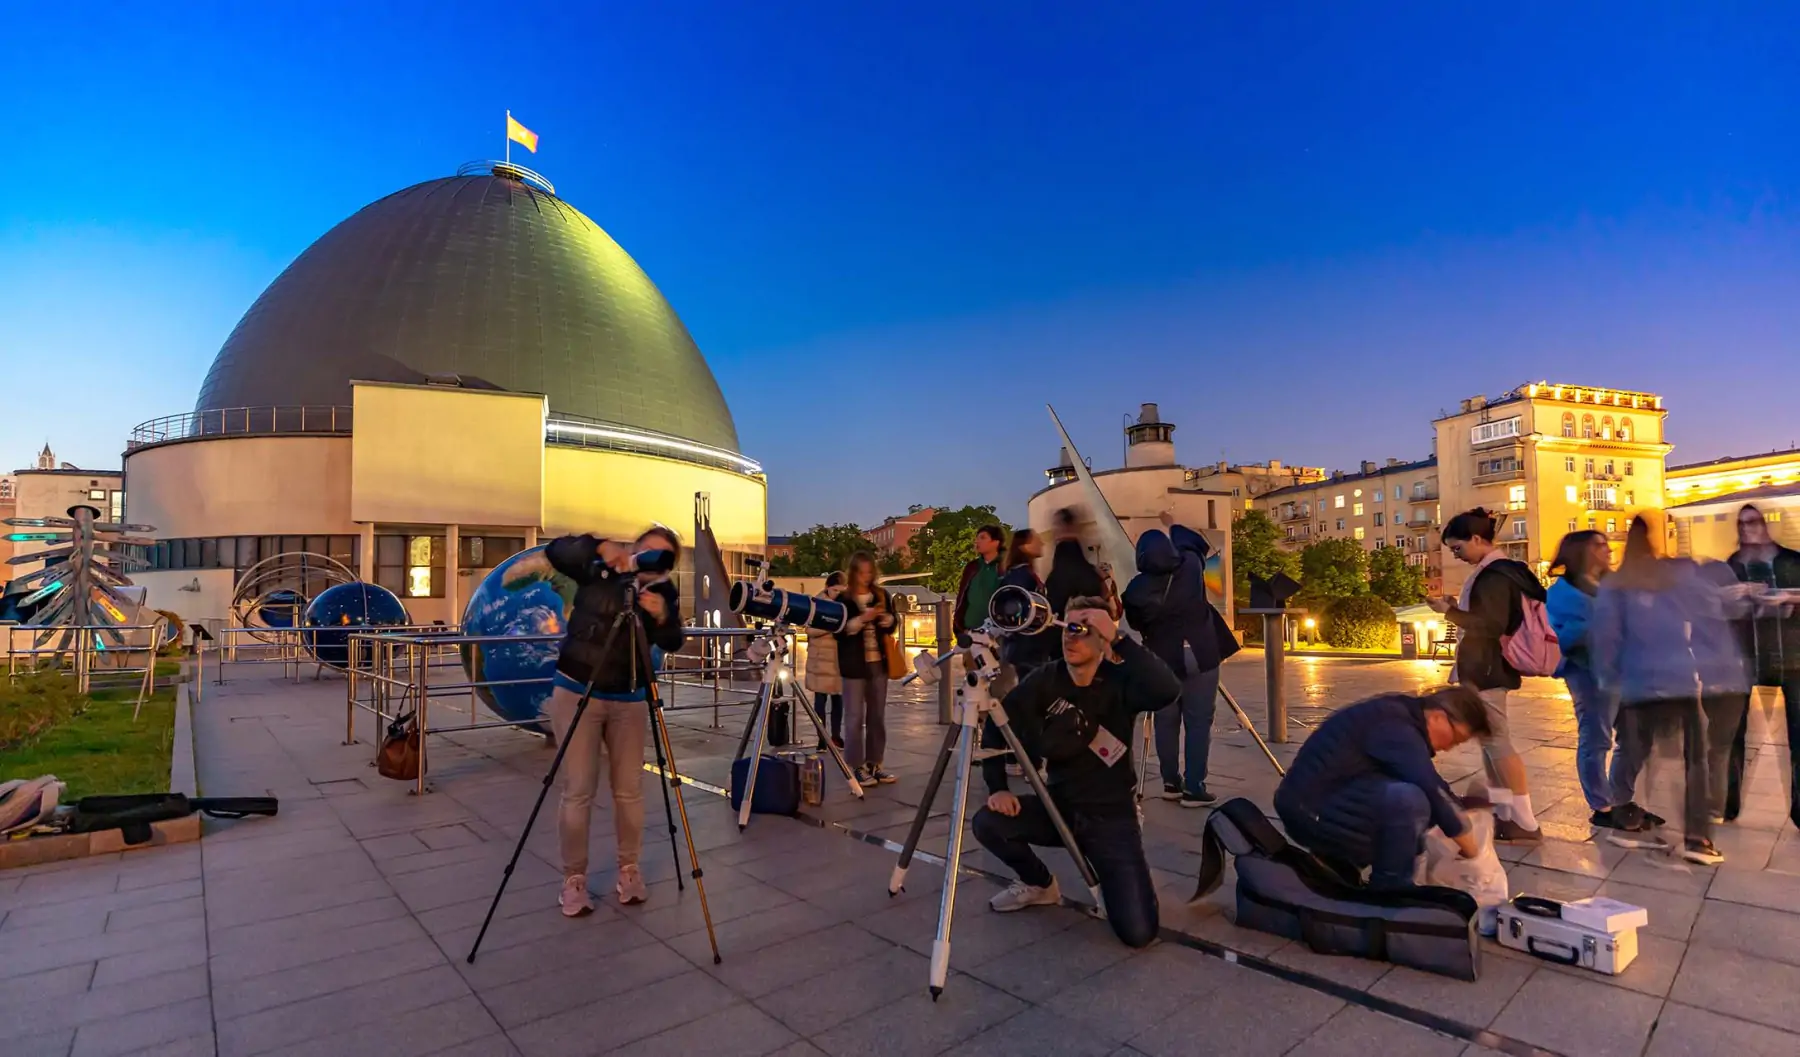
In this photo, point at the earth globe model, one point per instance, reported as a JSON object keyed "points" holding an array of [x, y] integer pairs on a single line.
{"points": [[523, 595], [337, 611]]}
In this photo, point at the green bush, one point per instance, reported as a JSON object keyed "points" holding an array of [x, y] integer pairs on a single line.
{"points": [[1363, 622], [32, 703]]}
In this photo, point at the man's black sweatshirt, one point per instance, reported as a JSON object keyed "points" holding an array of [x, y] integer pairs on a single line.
{"points": [[1057, 721]]}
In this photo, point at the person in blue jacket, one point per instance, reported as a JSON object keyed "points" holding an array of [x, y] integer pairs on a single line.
{"points": [[1582, 560], [1363, 790], [1166, 603]]}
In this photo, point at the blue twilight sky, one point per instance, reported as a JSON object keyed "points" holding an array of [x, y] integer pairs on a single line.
{"points": [[1304, 229]]}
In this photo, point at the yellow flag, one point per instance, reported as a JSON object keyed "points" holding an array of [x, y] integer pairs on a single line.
{"points": [[521, 135]]}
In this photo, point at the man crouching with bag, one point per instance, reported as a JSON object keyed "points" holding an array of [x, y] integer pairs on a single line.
{"points": [[1079, 716], [600, 648], [1362, 791]]}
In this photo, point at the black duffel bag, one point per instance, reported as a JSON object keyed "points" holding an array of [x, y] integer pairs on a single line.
{"points": [[135, 812]]}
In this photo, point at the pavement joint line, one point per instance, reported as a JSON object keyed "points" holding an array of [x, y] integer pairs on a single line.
{"points": [[1343, 992]]}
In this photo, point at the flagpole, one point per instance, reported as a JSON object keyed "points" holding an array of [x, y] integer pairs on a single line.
{"points": [[508, 131]]}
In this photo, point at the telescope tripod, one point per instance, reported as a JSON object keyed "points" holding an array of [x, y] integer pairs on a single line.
{"points": [[770, 648], [669, 778], [975, 703]]}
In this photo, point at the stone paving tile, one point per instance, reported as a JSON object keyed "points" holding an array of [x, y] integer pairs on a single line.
{"points": [[54, 930], [344, 866], [918, 1025], [1668, 875], [1740, 985], [1754, 930], [249, 905], [133, 1032], [746, 934], [518, 900], [851, 990], [425, 1031], [1683, 1031], [576, 942], [1143, 990], [1243, 1012], [536, 997], [95, 907], [1771, 890], [236, 996], [193, 906], [669, 912], [337, 1012], [41, 1044], [807, 957], [25, 1017], [1575, 1015], [139, 965], [1360, 1031], [1038, 970], [25, 993], [624, 1018], [395, 846], [1360, 973], [94, 948], [486, 1046], [1474, 1003], [1672, 914], [1037, 1032], [742, 1029]]}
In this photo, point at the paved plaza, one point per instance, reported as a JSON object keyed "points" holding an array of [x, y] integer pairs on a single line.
{"points": [[340, 927]]}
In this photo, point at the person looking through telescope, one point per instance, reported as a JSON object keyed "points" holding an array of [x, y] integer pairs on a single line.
{"points": [[600, 654], [822, 676], [1079, 715]]}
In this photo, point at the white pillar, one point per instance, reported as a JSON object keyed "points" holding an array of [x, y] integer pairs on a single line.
{"points": [[452, 581], [531, 537], [365, 558]]}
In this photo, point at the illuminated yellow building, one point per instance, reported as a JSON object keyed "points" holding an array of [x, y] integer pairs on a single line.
{"points": [[1549, 459], [1704, 498], [454, 372]]}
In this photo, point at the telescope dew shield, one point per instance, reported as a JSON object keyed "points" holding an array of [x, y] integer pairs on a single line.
{"points": [[787, 607], [1017, 611]]}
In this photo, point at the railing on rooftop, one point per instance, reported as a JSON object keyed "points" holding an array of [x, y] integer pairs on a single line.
{"points": [[327, 420]]}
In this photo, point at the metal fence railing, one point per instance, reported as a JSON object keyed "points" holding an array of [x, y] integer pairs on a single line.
{"points": [[93, 655]]}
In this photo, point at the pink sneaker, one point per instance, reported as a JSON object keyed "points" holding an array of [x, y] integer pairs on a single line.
{"points": [[631, 886], [575, 901]]}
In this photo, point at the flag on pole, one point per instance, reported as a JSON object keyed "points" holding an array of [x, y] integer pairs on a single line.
{"points": [[519, 134]]}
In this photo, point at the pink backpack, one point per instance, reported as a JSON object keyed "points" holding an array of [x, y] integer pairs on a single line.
{"points": [[1533, 649]]}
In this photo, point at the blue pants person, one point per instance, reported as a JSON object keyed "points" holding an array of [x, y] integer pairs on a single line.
{"points": [[1370, 822], [1184, 732]]}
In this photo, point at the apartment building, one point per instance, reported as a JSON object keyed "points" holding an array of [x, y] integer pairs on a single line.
{"points": [[1549, 459], [1704, 498], [1394, 504], [896, 533]]}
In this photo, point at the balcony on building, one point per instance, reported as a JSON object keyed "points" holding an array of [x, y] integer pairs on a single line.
{"points": [[1497, 476]]}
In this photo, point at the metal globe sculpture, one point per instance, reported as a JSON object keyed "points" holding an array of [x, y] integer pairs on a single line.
{"points": [[338, 611]]}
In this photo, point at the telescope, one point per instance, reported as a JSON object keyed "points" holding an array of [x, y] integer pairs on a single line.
{"points": [[763, 599], [1014, 610]]}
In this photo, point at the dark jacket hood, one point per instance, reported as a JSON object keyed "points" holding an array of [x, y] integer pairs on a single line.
{"points": [[1155, 554]]}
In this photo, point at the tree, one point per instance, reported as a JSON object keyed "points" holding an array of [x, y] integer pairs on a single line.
{"points": [[946, 543], [820, 549], [1256, 551], [1361, 622], [1393, 581], [1333, 568]]}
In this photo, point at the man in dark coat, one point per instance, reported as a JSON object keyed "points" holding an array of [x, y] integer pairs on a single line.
{"points": [[1166, 603], [1363, 789]]}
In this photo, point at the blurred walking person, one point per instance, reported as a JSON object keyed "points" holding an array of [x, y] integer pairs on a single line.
{"points": [[1072, 575], [1770, 632], [1490, 608], [1166, 603], [1582, 559], [1640, 646], [822, 675], [862, 661]]}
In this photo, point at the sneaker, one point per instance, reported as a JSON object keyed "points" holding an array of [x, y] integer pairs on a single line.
{"points": [[881, 774], [1020, 895], [1605, 819], [1506, 831], [630, 887], [1200, 799], [1015, 771], [574, 900], [1171, 791], [837, 740], [863, 775], [1702, 852]]}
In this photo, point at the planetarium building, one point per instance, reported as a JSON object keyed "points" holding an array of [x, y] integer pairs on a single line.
{"points": [[453, 372]]}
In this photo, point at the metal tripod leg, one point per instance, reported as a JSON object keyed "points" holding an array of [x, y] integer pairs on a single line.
{"points": [[667, 751], [1149, 725], [959, 802], [759, 719], [666, 777], [1244, 718], [837, 754], [897, 883]]}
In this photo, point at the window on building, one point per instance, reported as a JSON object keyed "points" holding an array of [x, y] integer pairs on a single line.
{"points": [[1378, 494], [1628, 468], [1606, 428], [1771, 515], [1359, 532], [1569, 463], [115, 509], [97, 495], [1518, 528], [1570, 493], [1568, 424], [1571, 524], [1515, 497], [419, 553], [1587, 426], [1338, 501], [1340, 524], [1590, 520], [1631, 499], [1491, 431], [1609, 467], [1378, 520], [1624, 429], [1417, 489], [1356, 509], [1588, 465], [1612, 524]]}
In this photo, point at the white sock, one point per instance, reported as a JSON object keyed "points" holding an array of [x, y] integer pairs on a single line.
{"points": [[1521, 811], [1501, 798]]}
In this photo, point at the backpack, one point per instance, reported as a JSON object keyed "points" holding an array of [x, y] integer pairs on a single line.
{"points": [[1533, 649]]}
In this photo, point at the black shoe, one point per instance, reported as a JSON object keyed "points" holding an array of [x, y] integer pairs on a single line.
{"points": [[1200, 799], [1171, 791], [1655, 819], [1605, 820], [1506, 831]]}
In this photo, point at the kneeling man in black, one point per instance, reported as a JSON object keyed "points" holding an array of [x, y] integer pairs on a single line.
{"points": [[1079, 716]]}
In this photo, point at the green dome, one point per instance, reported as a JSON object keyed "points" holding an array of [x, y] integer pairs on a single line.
{"points": [[484, 277]]}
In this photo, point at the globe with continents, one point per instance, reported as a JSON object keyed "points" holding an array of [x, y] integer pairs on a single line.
{"points": [[340, 610], [523, 595]]}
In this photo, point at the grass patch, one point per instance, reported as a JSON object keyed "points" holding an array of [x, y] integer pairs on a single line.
{"points": [[102, 750]]}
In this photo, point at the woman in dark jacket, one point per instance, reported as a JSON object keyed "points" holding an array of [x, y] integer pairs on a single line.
{"points": [[862, 661], [1166, 603], [1026, 653], [1771, 637], [1071, 574], [1492, 606]]}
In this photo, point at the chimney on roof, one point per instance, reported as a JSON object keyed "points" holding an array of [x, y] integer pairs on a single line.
{"points": [[1368, 467], [1393, 462], [1149, 441]]}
